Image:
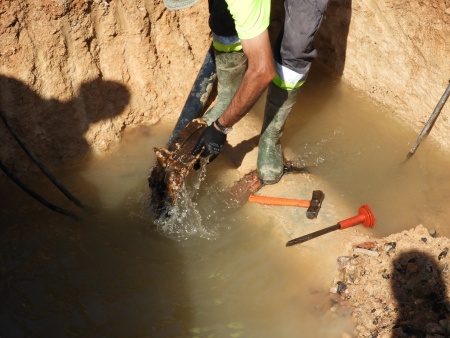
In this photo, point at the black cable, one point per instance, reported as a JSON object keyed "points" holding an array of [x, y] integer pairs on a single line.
{"points": [[38, 163], [37, 197]]}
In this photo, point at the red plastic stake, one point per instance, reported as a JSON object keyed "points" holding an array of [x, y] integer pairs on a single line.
{"points": [[365, 216]]}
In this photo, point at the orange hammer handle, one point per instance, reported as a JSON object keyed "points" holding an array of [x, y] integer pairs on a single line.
{"points": [[279, 201]]}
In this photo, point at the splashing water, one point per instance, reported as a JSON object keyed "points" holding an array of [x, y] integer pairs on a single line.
{"points": [[183, 220]]}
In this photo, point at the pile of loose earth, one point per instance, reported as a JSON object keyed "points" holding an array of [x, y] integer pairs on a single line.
{"points": [[397, 285]]}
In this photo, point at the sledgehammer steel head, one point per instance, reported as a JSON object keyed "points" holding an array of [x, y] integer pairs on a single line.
{"points": [[315, 204]]}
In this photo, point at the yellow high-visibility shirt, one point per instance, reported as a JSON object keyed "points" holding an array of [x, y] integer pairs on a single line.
{"points": [[251, 17]]}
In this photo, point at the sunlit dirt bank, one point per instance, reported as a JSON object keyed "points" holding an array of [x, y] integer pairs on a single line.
{"points": [[83, 71], [74, 75]]}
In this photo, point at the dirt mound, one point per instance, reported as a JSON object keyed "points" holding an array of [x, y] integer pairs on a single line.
{"points": [[397, 286]]}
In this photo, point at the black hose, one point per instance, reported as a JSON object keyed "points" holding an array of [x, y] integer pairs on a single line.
{"points": [[37, 197], [195, 103], [39, 163]]}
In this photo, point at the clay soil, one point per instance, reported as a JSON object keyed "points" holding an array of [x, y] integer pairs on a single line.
{"points": [[75, 74]]}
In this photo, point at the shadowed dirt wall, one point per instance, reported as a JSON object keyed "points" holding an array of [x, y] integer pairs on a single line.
{"points": [[75, 74]]}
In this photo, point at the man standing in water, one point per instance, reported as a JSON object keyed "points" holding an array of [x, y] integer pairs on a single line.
{"points": [[245, 68]]}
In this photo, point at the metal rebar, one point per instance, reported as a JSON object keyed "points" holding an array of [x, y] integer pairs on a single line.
{"points": [[427, 128], [313, 235]]}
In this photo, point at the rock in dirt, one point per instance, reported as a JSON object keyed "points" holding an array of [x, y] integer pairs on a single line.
{"points": [[400, 292]]}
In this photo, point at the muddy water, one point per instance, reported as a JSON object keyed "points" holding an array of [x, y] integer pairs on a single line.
{"points": [[361, 151], [216, 271]]}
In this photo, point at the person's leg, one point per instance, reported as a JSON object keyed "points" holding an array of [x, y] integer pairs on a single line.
{"points": [[295, 51], [279, 103], [230, 68], [231, 62], [293, 54]]}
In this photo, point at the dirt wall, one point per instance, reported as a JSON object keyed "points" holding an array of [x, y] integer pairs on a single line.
{"points": [[398, 52], [74, 74]]}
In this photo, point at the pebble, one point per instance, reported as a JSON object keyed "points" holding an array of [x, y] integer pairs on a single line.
{"points": [[343, 262], [341, 287], [388, 247], [366, 245], [367, 252], [443, 323], [443, 254], [434, 328]]}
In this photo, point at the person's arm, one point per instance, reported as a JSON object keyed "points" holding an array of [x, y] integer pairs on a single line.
{"points": [[251, 20], [260, 72]]}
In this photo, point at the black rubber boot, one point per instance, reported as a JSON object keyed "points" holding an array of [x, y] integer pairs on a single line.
{"points": [[231, 68], [279, 103]]}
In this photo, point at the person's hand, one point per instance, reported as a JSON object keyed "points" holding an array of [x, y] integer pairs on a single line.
{"points": [[212, 141]]}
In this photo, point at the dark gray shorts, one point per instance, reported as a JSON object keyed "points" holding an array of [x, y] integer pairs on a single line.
{"points": [[302, 21], [294, 48]]}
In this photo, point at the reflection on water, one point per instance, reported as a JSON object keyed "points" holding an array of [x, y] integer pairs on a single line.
{"points": [[214, 270]]}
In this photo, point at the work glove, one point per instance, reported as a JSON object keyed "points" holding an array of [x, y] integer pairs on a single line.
{"points": [[212, 141]]}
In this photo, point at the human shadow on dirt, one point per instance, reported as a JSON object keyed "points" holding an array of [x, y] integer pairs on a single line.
{"points": [[420, 292], [50, 130], [108, 275], [55, 129], [331, 39], [237, 153]]}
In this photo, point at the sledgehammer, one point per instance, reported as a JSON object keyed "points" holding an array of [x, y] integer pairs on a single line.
{"points": [[365, 216], [313, 205]]}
